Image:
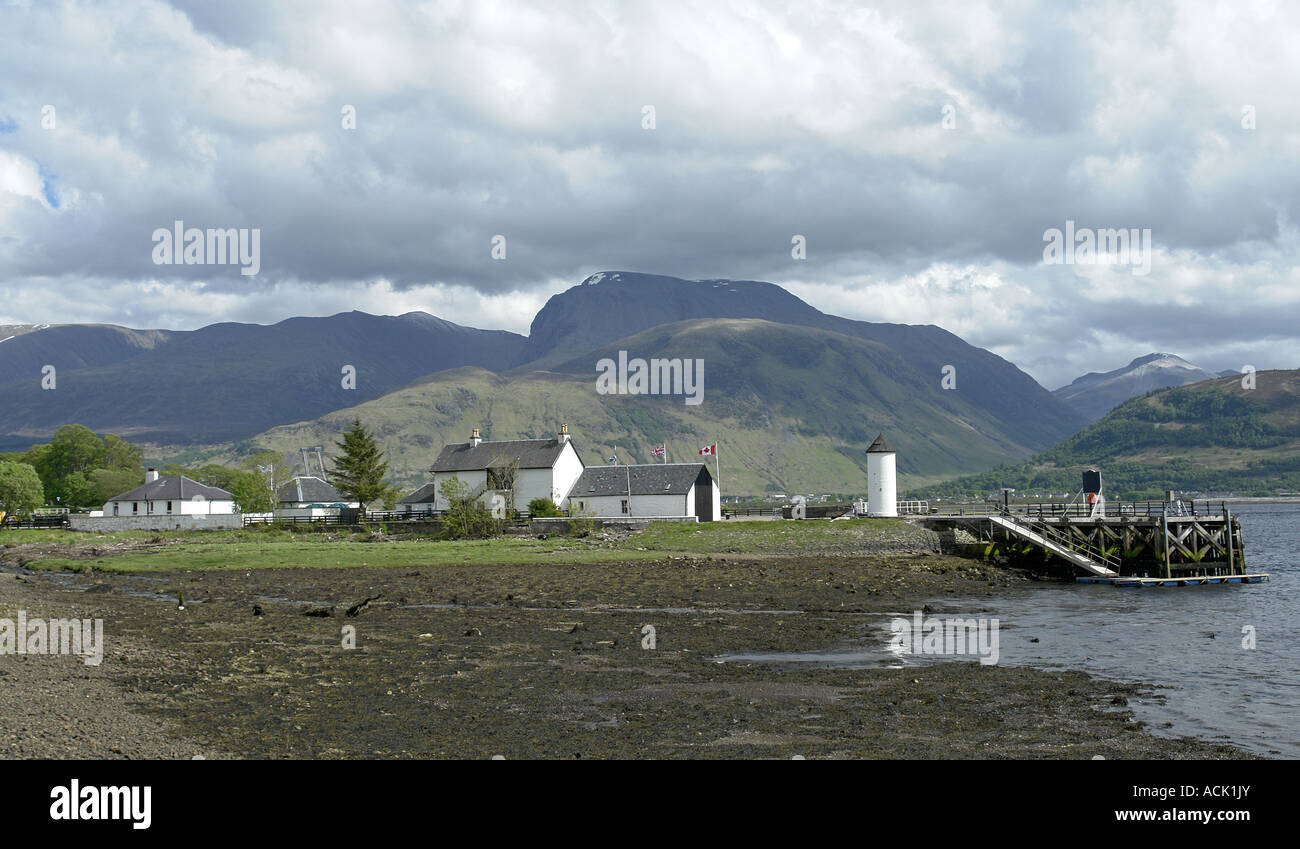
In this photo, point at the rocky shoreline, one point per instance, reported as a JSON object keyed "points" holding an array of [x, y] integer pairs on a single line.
{"points": [[544, 660]]}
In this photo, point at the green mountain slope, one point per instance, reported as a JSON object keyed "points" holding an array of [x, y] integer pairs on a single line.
{"points": [[1215, 435], [792, 408]]}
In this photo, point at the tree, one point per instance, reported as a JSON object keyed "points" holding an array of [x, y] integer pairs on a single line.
{"points": [[20, 488], [360, 468], [106, 483], [120, 454], [251, 492], [467, 517], [501, 476], [67, 465]]}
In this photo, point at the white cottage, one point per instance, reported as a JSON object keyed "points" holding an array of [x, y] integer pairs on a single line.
{"points": [[420, 501], [174, 495], [308, 496], [651, 490], [545, 468]]}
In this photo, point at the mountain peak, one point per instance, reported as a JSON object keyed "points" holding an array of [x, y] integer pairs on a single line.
{"points": [[1096, 393], [1161, 358]]}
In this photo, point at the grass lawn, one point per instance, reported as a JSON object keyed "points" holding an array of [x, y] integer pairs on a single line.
{"points": [[266, 547], [772, 537], [302, 550]]}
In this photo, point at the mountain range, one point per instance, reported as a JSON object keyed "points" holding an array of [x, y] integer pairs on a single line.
{"points": [[793, 394], [1226, 434]]}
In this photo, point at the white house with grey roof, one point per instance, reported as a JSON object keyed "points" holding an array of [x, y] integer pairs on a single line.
{"points": [[420, 501], [543, 468], [650, 490], [311, 497], [173, 495]]}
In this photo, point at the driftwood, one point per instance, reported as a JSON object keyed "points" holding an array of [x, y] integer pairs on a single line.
{"points": [[361, 605]]}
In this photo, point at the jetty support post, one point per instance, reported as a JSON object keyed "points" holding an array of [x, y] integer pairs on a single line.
{"points": [[1164, 535], [1230, 538]]}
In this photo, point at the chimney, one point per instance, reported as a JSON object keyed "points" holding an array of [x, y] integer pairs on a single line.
{"points": [[474, 438], [564, 433], [151, 476]]}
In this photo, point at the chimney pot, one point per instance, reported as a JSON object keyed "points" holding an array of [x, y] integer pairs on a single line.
{"points": [[474, 438]]}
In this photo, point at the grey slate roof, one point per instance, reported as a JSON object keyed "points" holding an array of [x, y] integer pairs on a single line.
{"points": [[423, 495], [309, 489], [647, 479], [530, 454], [880, 446], [173, 488]]}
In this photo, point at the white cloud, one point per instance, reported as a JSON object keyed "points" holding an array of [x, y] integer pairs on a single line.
{"points": [[824, 119]]}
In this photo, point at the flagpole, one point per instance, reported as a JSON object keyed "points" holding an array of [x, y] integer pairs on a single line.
{"points": [[717, 464]]}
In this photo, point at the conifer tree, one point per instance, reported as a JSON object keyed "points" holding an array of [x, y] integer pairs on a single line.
{"points": [[359, 470]]}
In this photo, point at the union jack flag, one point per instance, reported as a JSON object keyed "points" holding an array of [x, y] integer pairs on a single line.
{"points": [[659, 452]]}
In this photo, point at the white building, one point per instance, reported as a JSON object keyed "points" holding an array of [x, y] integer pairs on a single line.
{"points": [[882, 479], [652, 490], [420, 501], [310, 497], [543, 468], [174, 495]]}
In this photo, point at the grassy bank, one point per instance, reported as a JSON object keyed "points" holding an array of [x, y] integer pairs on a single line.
{"points": [[269, 547]]}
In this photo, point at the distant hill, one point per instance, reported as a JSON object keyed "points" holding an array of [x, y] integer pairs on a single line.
{"points": [[1097, 393], [793, 409], [616, 304], [226, 381], [1210, 436], [191, 394]]}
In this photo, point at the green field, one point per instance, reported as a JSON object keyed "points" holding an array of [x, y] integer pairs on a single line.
{"points": [[266, 548]]}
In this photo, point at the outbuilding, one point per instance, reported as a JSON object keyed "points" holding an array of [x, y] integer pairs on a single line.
{"points": [[650, 490]]}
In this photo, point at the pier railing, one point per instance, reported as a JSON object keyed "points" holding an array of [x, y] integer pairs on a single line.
{"points": [[1052, 534], [1052, 510]]}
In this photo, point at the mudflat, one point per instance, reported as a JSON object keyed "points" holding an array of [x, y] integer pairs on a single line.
{"points": [[540, 660]]}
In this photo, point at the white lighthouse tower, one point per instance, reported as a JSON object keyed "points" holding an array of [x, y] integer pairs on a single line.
{"points": [[882, 479]]}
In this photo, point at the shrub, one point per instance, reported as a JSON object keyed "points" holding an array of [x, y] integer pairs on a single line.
{"points": [[467, 517], [544, 508]]}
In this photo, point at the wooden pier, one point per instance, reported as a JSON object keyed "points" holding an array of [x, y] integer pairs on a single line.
{"points": [[1121, 543]]}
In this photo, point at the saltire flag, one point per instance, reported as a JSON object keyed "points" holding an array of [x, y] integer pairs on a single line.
{"points": [[659, 452], [710, 449], [613, 460]]}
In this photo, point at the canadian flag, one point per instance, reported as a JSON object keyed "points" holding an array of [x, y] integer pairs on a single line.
{"points": [[710, 449]]}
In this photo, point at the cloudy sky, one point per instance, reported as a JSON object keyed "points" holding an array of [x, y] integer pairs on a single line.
{"points": [[921, 150]]}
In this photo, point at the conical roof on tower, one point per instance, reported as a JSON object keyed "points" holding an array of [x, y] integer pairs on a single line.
{"points": [[880, 446]]}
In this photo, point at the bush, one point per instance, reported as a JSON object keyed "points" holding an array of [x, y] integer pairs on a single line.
{"points": [[580, 524], [543, 508], [467, 517]]}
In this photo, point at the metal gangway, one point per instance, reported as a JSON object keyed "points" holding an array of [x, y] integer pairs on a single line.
{"points": [[1043, 535]]}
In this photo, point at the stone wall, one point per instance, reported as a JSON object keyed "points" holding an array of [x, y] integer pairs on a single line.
{"points": [[156, 522], [560, 524]]}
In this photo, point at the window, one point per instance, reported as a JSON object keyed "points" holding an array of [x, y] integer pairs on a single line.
{"points": [[114, 508], [135, 506], [625, 506], [169, 507]]}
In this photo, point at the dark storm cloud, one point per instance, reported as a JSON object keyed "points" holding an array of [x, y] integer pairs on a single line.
{"points": [[477, 120]]}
